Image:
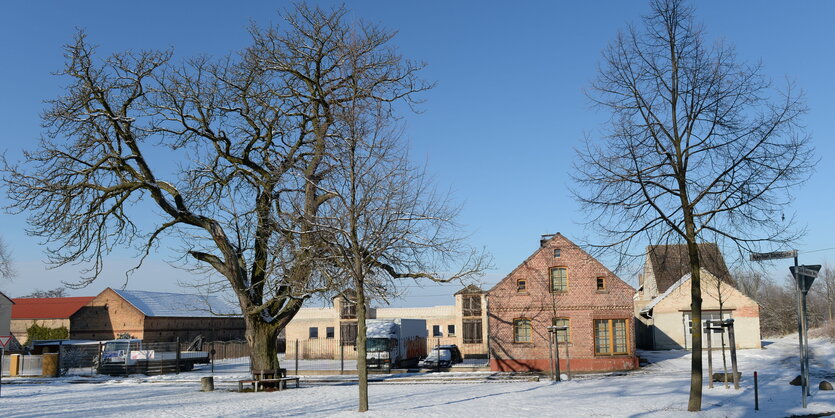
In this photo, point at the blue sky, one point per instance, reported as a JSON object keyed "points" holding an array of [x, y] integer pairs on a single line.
{"points": [[498, 130]]}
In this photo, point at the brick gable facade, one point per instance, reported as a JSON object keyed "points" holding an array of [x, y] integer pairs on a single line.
{"points": [[592, 293]]}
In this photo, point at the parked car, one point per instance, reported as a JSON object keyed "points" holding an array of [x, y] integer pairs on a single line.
{"points": [[442, 356]]}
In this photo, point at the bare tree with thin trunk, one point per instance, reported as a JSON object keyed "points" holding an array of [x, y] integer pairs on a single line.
{"points": [[698, 148], [826, 290], [227, 155], [6, 268], [385, 222]]}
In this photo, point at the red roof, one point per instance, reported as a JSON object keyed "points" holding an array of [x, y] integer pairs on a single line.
{"points": [[47, 308]]}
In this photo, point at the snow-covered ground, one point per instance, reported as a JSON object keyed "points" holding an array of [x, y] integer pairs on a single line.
{"points": [[660, 389]]}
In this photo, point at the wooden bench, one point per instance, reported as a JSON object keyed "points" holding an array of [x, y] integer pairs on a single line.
{"points": [[268, 378]]}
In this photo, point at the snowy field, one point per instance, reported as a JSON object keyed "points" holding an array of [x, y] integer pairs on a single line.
{"points": [[660, 389]]}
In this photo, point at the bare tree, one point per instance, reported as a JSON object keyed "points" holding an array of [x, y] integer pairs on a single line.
{"points": [[58, 292], [825, 290], [252, 134], [385, 222], [698, 149], [6, 267]]}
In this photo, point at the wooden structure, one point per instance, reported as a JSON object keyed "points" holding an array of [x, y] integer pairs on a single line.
{"points": [[156, 317]]}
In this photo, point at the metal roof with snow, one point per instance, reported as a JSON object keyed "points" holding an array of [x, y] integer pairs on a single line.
{"points": [[162, 304]]}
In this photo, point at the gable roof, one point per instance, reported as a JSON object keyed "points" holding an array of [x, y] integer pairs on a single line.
{"points": [[47, 308], [666, 293], [162, 304], [671, 262], [470, 290], [8, 298], [543, 244]]}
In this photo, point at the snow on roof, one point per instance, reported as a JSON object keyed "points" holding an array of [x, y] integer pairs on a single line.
{"points": [[380, 329], [669, 290], [177, 304]]}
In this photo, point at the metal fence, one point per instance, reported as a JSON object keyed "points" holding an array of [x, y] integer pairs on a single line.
{"points": [[31, 365], [303, 356], [4, 366]]}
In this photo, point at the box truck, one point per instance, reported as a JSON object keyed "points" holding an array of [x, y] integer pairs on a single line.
{"points": [[395, 343]]}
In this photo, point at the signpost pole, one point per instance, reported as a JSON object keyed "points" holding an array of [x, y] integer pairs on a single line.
{"points": [[709, 355], [4, 340], [803, 381]]}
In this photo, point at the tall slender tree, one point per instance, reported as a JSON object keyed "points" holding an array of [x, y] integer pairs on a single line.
{"points": [[385, 222], [698, 148]]}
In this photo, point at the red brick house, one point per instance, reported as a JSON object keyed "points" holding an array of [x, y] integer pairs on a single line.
{"points": [[563, 285]]}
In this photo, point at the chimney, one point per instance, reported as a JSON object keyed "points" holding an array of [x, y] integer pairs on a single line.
{"points": [[544, 238]]}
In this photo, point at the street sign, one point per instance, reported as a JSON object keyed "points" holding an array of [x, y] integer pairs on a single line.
{"points": [[4, 340], [805, 275], [811, 271], [774, 255]]}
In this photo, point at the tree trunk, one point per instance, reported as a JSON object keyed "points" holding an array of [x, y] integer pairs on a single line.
{"points": [[261, 338], [362, 370], [695, 402]]}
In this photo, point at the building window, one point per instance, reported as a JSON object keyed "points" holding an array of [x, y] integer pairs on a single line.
{"points": [[559, 279], [329, 332], [349, 309], [436, 330], [610, 337], [601, 284], [472, 331], [450, 330], [556, 253], [313, 332], [562, 335], [521, 286], [472, 305], [348, 333], [521, 330]]}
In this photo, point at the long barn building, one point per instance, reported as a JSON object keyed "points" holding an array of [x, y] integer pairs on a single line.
{"points": [[156, 317]]}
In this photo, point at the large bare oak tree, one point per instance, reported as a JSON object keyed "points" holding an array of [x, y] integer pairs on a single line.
{"points": [[228, 155], [698, 148]]}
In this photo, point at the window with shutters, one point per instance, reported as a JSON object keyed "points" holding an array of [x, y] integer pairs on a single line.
{"points": [[472, 331]]}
